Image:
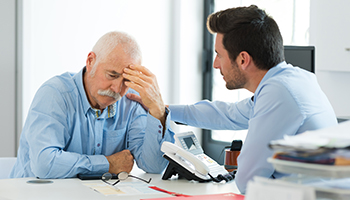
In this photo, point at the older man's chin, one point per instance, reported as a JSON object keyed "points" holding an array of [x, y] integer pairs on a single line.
{"points": [[114, 99], [118, 98]]}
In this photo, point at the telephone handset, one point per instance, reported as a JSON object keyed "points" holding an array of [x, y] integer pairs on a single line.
{"points": [[187, 159], [188, 166], [180, 156]]}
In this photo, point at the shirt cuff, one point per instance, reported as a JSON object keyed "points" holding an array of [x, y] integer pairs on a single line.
{"points": [[177, 113], [154, 125], [99, 164]]}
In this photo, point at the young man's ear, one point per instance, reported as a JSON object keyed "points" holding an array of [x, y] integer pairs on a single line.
{"points": [[244, 60], [90, 61]]}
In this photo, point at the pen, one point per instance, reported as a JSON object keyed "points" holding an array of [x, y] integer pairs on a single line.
{"points": [[168, 192]]}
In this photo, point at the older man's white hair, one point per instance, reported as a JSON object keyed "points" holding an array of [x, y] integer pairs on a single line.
{"points": [[105, 45]]}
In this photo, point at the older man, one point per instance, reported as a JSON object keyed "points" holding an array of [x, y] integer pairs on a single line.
{"points": [[82, 123]]}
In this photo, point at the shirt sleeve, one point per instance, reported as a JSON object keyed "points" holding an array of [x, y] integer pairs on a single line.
{"points": [[46, 130], [276, 114], [145, 143], [215, 115]]}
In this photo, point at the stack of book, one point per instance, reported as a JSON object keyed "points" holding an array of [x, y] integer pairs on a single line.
{"points": [[321, 159], [329, 146]]}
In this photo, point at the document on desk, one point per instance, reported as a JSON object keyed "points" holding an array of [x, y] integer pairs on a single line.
{"points": [[121, 189]]}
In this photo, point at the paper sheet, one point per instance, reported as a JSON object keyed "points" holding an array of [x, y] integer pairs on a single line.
{"points": [[122, 189], [332, 137]]}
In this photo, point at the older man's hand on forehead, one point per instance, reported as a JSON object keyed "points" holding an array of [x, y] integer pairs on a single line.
{"points": [[145, 83]]}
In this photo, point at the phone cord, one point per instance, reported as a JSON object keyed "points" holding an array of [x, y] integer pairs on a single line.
{"points": [[226, 177]]}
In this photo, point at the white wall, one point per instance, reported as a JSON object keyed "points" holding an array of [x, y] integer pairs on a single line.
{"points": [[187, 58], [43, 38], [58, 35], [7, 77], [57, 38]]}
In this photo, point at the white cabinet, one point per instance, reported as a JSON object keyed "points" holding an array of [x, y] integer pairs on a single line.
{"points": [[330, 33]]}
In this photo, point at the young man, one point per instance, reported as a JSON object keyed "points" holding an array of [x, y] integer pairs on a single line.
{"points": [[82, 123], [287, 100]]}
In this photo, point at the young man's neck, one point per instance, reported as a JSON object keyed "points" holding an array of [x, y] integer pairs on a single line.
{"points": [[255, 79]]}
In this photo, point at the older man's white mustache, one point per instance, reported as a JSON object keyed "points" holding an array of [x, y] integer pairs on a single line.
{"points": [[109, 93]]}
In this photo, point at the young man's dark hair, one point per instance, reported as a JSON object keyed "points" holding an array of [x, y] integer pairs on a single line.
{"points": [[249, 29]]}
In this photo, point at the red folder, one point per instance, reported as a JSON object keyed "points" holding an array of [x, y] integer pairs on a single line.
{"points": [[224, 196]]}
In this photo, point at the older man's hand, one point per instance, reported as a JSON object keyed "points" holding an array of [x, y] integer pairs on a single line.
{"points": [[122, 161], [145, 83]]}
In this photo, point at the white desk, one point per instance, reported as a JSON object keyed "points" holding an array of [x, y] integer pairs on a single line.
{"points": [[74, 189]]}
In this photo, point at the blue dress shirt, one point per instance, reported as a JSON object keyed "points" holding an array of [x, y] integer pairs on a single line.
{"points": [[288, 101], [64, 136]]}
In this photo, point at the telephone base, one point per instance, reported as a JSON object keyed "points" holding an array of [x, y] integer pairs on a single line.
{"points": [[174, 168]]}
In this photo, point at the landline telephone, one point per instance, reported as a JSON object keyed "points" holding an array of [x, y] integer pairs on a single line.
{"points": [[190, 162]]}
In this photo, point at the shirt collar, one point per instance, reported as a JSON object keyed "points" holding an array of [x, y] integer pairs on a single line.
{"points": [[272, 72], [111, 110]]}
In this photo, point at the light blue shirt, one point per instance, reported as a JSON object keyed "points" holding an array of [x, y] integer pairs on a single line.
{"points": [[288, 101], [64, 136]]}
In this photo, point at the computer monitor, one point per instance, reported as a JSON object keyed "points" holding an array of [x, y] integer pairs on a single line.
{"points": [[301, 56]]}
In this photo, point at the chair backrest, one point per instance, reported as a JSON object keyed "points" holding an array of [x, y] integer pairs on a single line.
{"points": [[6, 164]]}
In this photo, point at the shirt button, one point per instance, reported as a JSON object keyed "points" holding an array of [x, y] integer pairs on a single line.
{"points": [[160, 126], [159, 131], [98, 145]]}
